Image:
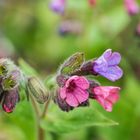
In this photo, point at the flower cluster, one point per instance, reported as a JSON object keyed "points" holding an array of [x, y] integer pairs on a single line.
{"points": [[75, 88], [59, 6], [9, 85], [12, 79]]}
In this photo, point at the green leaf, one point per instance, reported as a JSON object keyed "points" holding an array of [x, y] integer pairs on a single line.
{"points": [[72, 64], [11, 132], [63, 122], [23, 118]]}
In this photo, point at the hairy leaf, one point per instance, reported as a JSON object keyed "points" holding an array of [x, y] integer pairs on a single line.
{"points": [[62, 122]]}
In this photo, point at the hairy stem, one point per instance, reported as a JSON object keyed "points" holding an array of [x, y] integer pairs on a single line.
{"points": [[39, 116]]}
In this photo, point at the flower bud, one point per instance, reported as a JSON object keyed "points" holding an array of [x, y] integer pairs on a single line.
{"points": [[12, 80], [72, 64], [10, 98], [86, 69], [3, 68], [61, 79], [38, 90]]}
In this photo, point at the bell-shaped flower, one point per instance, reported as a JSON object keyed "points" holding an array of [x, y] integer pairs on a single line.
{"points": [[106, 96], [107, 65]]}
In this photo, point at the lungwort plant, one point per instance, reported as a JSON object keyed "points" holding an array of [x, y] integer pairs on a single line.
{"points": [[73, 89]]}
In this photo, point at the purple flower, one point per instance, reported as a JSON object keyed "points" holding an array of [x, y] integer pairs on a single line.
{"points": [[74, 91], [58, 6], [131, 7], [106, 65]]}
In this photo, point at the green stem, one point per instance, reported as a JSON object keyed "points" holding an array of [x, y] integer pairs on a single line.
{"points": [[41, 133], [45, 108]]}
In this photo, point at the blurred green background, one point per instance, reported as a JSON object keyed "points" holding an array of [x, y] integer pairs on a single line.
{"points": [[29, 29]]}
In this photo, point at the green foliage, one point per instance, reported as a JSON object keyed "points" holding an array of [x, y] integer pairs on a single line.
{"points": [[20, 122], [62, 122], [75, 120], [28, 70]]}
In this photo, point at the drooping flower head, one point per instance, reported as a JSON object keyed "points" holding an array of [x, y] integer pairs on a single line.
{"points": [[106, 96], [10, 99], [131, 7], [74, 91], [107, 65], [58, 6]]}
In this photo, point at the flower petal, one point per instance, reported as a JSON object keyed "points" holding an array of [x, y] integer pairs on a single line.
{"points": [[108, 106], [82, 82], [114, 95], [107, 53], [114, 59], [71, 100], [68, 82], [100, 65], [63, 93], [80, 95], [101, 91], [113, 73], [105, 104]]}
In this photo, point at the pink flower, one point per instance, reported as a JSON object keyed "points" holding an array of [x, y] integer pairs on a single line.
{"points": [[92, 2], [106, 96], [131, 7], [74, 91], [58, 6]]}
